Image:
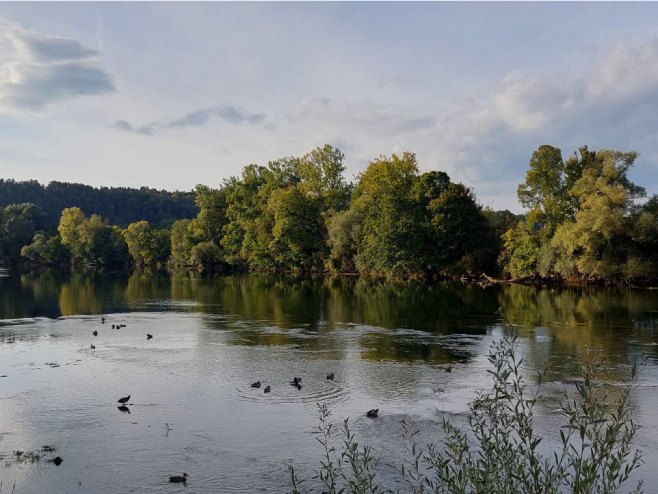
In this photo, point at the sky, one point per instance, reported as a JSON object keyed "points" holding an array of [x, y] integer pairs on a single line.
{"points": [[174, 94]]}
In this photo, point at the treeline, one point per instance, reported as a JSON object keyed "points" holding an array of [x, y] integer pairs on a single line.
{"points": [[119, 205], [584, 221], [299, 214]]}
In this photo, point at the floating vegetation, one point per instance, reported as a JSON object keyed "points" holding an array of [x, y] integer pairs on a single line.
{"points": [[20, 457]]}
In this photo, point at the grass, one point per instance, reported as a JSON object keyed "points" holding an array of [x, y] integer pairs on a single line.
{"points": [[498, 450]]}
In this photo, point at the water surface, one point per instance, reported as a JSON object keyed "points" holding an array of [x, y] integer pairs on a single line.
{"points": [[192, 408]]}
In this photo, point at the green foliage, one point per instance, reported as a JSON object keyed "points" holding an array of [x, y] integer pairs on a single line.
{"points": [[46, 250], [120, 205], [298, 233], [500, 451], [583, 223], [147, 246], [389, 243], [182, 241], [18, 224], [343, 236], [91, 241], [465, 240]]}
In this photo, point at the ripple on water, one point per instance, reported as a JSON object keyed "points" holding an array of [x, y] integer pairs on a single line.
{"points": [[313, 391]]}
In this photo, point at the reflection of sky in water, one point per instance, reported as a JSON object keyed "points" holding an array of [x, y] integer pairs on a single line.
{"points": [[213, 340]]}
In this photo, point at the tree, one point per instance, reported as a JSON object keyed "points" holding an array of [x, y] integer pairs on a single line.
{"points": [[69, 231], [343, 238], [181, 241], [466, 241], [389, 242], [147, 246], [298, 234], [597, 244], [18, 224], [321, 177]]}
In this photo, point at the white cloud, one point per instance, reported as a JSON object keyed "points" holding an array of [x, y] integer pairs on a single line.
{"points": [[46, 69]]}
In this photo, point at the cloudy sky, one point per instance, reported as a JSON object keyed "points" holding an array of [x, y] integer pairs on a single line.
{"points": [[170, 95]]}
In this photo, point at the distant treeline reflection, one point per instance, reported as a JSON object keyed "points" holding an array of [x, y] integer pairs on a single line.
{"points": [[400, 322]]}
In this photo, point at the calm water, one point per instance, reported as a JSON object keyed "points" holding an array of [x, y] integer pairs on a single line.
{"points": [[192, 408]]}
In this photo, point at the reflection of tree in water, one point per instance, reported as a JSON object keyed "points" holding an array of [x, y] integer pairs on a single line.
{"points": [[563, 326]]}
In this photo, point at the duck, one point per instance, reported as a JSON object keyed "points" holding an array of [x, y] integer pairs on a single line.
{"points": [[449, 368], [267, 389], [57, 460], [123, 400], [102, 320], [295, 381], [93, 347], [113, 326], [373, 413], [149, 336], [330, 376], [256, 384], [95, 333], [177, 479]]}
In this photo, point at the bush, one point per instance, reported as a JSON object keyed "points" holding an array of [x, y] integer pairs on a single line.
{"points": [[498, 452]]}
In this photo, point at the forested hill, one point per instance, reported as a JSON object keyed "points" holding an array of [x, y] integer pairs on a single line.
{"points": [[120, 205]]}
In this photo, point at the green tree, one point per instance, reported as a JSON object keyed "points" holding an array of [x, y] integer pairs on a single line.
{"points": [[596, 245], [181, 240], [343, 238], [321, 178], [18, 224], [465, 240], [298, 233], [147, 246], [389, 242], [45, 250]]}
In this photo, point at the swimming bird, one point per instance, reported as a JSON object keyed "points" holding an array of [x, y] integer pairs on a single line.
{"points": [[95, 333], [93, 347], [102, 320], [449, 368], [123, 400], [267, 389], [373, 413], [295, 381], [256, 384], [113, 327], [57, 460], [149, 336], [177, 479], [330, 376]]}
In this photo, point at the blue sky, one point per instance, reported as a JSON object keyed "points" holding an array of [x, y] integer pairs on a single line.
{"points": [[170, 95]]}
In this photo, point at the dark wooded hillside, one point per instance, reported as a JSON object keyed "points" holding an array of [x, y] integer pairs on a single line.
{"points": [[119, 205]]}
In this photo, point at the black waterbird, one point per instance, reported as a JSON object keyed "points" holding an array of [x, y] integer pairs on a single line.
{"points": [[123, 400], [330, 376], [373, 413], [267, 389], [177, 479], [149, 336], [256, 384]]}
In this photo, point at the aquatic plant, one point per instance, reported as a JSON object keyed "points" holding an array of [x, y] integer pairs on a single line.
{"points": [[497, 450]]}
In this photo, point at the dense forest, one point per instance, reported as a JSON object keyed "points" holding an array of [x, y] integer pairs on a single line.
{"points": [[119, 205], [585, 222]]}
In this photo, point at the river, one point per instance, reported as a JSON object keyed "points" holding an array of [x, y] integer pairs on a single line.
{"points": [[192, 408]]}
